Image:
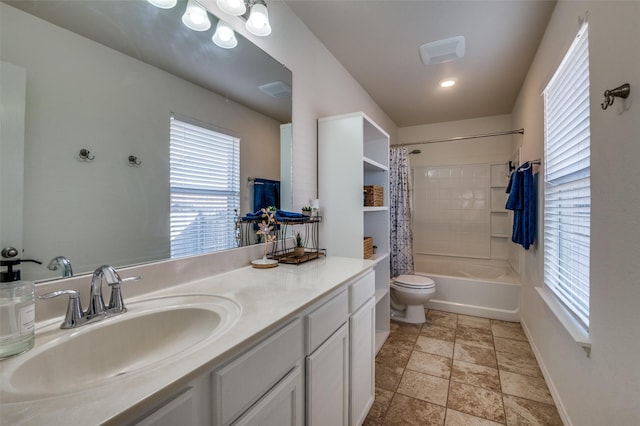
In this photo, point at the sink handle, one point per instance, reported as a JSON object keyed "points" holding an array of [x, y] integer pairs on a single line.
{"points": [[75, 316], [116, 304]]}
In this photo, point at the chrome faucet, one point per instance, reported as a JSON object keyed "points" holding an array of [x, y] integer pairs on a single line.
{"points": [[63, 263], [97, 309]]}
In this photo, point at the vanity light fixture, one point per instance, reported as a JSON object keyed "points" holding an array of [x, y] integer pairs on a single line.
{"points": [[258, 22], [232, 7], [195, 17], [447, 82], [163, 4], [224, 36]]}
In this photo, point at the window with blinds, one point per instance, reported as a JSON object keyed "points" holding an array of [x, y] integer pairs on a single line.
{"points": [[205, 188], [567, 193]]}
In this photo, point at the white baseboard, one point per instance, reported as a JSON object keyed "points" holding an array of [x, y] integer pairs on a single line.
{"points": [[547, 377]]}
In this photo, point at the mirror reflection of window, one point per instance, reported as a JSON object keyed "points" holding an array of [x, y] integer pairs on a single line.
{"points": [[205, 188]]}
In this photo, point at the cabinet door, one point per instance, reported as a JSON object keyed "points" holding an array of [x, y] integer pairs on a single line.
{"points": [[179, 410], [362, 333], [328, 381], [282, 406]]}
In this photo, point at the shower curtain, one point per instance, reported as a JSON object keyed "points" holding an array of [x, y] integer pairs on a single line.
{"points": [[400, 211]]}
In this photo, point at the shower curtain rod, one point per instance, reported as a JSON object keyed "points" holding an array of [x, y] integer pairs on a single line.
{"points": [[459, 138]]}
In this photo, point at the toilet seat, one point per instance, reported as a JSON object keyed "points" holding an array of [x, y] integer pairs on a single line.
{"points": [[413, 282]]}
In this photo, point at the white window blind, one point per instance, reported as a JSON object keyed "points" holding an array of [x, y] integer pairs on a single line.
{"points": [[567, 193], [205, 188]]}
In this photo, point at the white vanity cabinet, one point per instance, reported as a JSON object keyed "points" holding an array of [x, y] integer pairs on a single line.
{"points": [[316, 370], [327, 363], [188, 407], [251, 377], [362, 329]]}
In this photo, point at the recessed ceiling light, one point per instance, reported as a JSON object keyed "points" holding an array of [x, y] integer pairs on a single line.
{"points": [[447, 83]]}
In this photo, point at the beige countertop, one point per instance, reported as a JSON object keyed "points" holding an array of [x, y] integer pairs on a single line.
{"points": [[268, 298]]}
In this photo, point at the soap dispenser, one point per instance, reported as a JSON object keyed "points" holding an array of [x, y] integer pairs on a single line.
{"points": [[17, 307]]}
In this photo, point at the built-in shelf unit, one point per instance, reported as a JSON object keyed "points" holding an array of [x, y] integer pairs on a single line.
{"points": [[500, 232], [353, 151]]}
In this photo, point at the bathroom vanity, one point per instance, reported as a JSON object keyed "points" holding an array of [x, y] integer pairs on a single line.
{"points": [[295, 345]]}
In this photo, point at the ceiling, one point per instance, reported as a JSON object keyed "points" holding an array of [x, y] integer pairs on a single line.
{"points": [[378, 41]]}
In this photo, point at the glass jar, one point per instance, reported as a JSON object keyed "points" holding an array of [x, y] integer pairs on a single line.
{"points": [[17, 317]]}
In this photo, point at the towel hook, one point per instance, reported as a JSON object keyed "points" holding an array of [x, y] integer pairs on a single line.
{"points": [[85, 154], [619, 92], [134, 162]]}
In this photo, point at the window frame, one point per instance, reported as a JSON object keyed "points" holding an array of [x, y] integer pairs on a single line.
{"points": [[567, 182], [204, 197]]}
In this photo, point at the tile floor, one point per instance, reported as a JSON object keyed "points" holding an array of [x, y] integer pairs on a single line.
{"points": [[459, 370]]}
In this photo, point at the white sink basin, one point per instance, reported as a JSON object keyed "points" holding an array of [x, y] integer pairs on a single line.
{"points": [[151, 333]]}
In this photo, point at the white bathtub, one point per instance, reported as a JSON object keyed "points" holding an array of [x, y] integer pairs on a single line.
{"points": [[484, 288]]}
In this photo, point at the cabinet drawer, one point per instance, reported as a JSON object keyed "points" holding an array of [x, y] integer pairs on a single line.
{"points": [[361, 290], [241, 383], [282, 406], [322, 322]]}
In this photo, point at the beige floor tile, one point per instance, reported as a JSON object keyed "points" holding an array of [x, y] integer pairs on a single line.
{"points": [[388, 377], [526, 412], [380, 406], [444, 319], [476, 375], [434, 346], [457, 418], [416, 376], [475, 355], [424, 386], [394, 353], [435, 365], [533, 388], [479, 402], [402, 330], [474, 322], [406, 411], [438, 332], [478, 336], [508, 331], [520, 364], [511, 346]]}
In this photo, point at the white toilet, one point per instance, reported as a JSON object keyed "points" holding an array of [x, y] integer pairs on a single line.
{"points": [[409, 293]]}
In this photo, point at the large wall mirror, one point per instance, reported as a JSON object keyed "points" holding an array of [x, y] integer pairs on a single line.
{"points": [[106, 76]]}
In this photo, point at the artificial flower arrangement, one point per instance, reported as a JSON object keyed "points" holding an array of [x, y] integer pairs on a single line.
{"points": [[265, 227]]}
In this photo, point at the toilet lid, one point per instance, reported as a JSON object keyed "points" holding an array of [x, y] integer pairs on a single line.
{"points": [[414, 281]]}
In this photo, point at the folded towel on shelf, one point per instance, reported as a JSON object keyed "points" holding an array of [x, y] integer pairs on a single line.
{"points": [[522, 201], [284, 216], [250, 216]]}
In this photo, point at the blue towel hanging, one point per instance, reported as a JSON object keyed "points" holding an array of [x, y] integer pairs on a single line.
{"points": [[521, 200], [266, 193]]}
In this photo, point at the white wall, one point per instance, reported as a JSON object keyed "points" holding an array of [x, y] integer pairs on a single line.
{"points": [[603, 389], [81, 94]]}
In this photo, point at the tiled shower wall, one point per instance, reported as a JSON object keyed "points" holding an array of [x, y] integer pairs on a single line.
{"points": [[451, 210]]}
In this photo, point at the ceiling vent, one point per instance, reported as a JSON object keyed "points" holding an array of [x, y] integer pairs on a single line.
{"points": [[437, 52], [277, 89]]}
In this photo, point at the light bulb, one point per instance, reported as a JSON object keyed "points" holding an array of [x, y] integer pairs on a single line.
{"points": [[224, 36], [232, 7], [258, 23], [195, 17]]}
